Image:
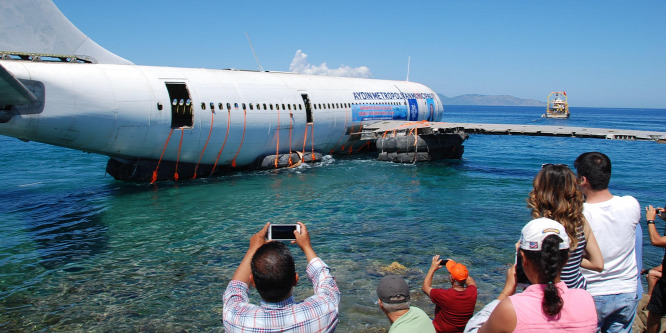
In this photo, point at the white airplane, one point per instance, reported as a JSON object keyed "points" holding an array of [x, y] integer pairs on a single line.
{"points": [[155, 123]]}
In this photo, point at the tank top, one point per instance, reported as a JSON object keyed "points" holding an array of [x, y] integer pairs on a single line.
{"points": [[571, 274], [578, 313]]}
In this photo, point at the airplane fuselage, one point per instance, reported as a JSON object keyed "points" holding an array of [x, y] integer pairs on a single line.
{"points": [[202, 116]]}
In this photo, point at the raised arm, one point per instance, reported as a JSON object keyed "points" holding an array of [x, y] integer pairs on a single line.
{"points": [[303, 241], [655, 238], [256, 241], [592, 260], [427, 281], [503, 318]]}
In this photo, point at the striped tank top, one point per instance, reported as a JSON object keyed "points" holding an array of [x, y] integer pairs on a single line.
{"points": [[571, 274]]}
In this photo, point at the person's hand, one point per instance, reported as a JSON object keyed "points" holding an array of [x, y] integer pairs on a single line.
{"points": [[660, 213], [244, 270], [436, 263], [259, 239], [511, 281], [303, 241], [650, 213], [302, 238]]}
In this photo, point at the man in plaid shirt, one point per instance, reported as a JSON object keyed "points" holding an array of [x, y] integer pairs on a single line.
{"points": [[269, 267]]}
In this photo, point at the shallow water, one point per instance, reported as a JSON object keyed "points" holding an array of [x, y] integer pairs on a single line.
{"points": [[82, 252]]}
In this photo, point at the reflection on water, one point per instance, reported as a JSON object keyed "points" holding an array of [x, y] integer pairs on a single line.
{"points": [[82, 252], [66, 231]]}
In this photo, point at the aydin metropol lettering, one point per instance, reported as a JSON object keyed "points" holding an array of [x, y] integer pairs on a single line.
{"points": [[382, 95], [388, 111]]}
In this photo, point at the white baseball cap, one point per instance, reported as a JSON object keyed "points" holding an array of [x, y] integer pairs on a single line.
{"points": [[534, 232]]}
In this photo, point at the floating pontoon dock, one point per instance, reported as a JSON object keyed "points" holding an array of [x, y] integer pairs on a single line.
{"points": [[409, 142], [425, 128]]}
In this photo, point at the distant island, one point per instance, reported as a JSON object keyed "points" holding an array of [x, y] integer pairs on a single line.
{"points": [[476, 99]]}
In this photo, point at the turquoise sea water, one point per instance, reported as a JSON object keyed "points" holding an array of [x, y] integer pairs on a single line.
{"points": [[80, 251]]}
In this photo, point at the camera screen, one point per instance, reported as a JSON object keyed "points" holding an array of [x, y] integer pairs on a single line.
{"points": [[282, 231]]}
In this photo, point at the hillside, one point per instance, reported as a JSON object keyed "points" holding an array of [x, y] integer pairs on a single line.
{"points": [[476, 99]]}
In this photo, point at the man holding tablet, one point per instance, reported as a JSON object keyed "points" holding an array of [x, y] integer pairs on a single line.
{"points": [[269, 267]]}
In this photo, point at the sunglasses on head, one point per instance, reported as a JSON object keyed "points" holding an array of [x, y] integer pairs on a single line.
{"points": [[553, 165]]}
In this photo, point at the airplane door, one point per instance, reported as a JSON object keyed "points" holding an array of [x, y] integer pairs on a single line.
{"points": [[308, 108], [182, 114]]}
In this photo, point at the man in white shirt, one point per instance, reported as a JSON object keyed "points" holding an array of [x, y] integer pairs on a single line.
{"points": [[613, 220]]}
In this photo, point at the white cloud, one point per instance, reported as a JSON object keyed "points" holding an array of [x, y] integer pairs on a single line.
{"points": [[300, 65]]}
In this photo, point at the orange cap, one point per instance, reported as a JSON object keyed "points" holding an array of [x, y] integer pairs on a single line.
{"points": [[458, 271]]}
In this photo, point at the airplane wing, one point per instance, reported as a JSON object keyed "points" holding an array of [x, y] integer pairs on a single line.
{"points": [[13, 92]]}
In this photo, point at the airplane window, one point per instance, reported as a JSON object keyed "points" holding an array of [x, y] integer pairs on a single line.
{"points": [[289, 107], [315, 106], [228, 106], [271, 105], [258, 106], [203, 106], [243, 106], [320, 106], [294, 106], [159, 106], [236, 105], [212, 106], [251, 106], [300, 107], [219, 106], [283, 108], [265, 108]]}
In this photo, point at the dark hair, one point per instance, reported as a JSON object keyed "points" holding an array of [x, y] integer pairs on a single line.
{"points": [[273, 271], [596, 167], [550, 261]]}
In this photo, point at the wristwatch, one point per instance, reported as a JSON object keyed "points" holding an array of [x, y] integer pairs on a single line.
{"points": [[650, 221]]}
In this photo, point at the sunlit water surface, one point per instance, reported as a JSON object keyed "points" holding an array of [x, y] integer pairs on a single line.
{"points": [[80, 251]]}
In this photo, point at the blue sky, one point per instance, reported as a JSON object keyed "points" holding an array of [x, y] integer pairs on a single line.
{"points": [[602, 53]]}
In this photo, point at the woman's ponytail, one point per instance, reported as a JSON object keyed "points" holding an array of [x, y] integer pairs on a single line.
{"points": [[552, 261]]}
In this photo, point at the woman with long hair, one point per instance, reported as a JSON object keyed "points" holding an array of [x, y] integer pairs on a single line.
{"points": [[547, 304], [555, 196]]}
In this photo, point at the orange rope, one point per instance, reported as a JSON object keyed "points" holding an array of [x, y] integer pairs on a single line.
{"points": [[223, 143], [367, 143], [212, 119], [277, 146], [305, 139], [180, 145], [233, 162], [291, 123], [312, 136], [160, 160]]}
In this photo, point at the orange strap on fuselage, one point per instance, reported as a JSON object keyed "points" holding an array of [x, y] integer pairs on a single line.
{"points": [[160, 160], [180, 145], [223, 143], [233, 162], [210, 132]]}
